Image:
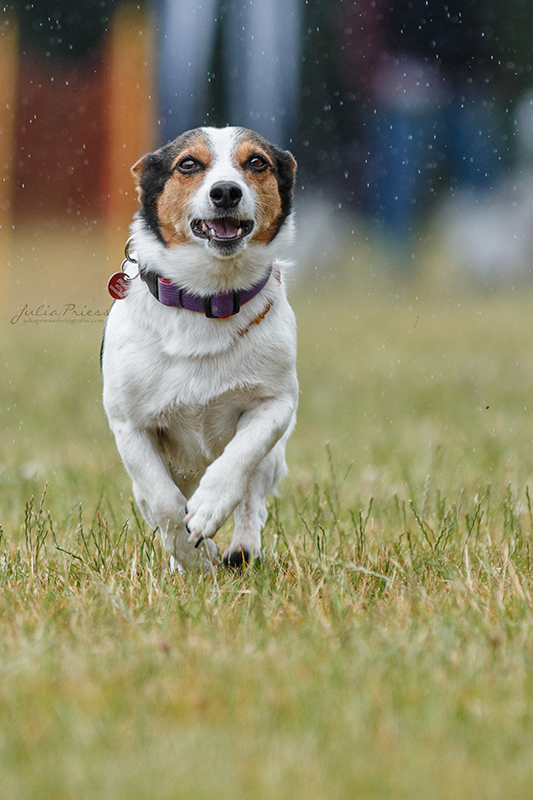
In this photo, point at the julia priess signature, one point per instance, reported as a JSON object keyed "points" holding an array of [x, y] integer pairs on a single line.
{"points": [[69, 313]]}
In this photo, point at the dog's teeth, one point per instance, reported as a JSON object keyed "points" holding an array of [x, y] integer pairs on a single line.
{"points": [[239, 232], [212, 231]]}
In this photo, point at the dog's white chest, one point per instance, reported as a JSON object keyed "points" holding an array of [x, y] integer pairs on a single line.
{"points": [[192, 437]]}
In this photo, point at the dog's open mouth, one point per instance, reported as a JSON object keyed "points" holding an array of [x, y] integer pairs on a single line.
{"points": [[222, 229]]}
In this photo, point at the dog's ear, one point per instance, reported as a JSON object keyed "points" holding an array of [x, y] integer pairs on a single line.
{"points": [[141, 168], [286, 169], [286, 175], [287, 161], [138, 168], [137, 172]]}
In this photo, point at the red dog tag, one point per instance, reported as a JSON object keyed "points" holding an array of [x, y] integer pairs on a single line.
{"points": [[118, 285]]}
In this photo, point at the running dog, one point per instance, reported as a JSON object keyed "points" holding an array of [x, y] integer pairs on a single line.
{"points": [[199, 357]]}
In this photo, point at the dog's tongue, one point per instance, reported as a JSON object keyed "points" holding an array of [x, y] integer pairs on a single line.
{"points": [[224, 228]]}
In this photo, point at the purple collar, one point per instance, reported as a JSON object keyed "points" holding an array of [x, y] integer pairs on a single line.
{"points": [[214, 306]]}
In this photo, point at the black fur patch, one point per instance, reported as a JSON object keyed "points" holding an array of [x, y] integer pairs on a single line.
{"points": [[286, 175], [157, 169], [237, 560]]}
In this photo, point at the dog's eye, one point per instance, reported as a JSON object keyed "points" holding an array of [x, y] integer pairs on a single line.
{"points": [[188, 164], [257, 163]]}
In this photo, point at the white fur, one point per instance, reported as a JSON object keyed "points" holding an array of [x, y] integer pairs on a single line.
{"points": [[225, 394]]}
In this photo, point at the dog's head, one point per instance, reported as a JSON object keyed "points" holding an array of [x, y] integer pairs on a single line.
{"points": [[222, 188]]}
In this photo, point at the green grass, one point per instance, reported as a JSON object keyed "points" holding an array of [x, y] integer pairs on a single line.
{"points": [[384, 649]]}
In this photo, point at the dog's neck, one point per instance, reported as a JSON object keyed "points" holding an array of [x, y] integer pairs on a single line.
{"points": [[193, 268], [219, 305]]}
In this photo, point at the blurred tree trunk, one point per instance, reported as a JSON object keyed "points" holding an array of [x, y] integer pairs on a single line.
{"points": [[8, 84], [130, 112]]}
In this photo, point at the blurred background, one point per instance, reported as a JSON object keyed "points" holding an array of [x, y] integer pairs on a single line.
{"points": [[412, 124]]}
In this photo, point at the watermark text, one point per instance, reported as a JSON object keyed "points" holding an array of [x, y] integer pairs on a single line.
{"points": [[68, 314]]}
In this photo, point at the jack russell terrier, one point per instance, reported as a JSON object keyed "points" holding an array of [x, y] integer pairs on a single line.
{"points": [[199, 354]]}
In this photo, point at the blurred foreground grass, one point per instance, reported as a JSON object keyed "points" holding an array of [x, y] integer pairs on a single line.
{"points": [[385, 647]]}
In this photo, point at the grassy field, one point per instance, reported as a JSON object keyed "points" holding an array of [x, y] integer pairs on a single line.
{"points": [[384, 649]]}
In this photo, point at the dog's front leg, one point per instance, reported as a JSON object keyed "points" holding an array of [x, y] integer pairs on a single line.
{"points": [[161, 502], [225, 481]]}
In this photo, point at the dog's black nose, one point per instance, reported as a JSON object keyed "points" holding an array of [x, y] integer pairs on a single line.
{"points": [[225, 194]]}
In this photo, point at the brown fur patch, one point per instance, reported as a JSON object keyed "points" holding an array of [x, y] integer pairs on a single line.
{"points": [[257, 319], [265, 186], [198, 149], [173, 202]]}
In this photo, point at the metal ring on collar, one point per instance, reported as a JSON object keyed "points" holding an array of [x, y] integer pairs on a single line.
{"points": [[127, 252], [129, 259]]}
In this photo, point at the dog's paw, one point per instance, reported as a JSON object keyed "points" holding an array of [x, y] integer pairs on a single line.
{"points": [[175, 566], [206, 512], [206, 559], [240, 557]]}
